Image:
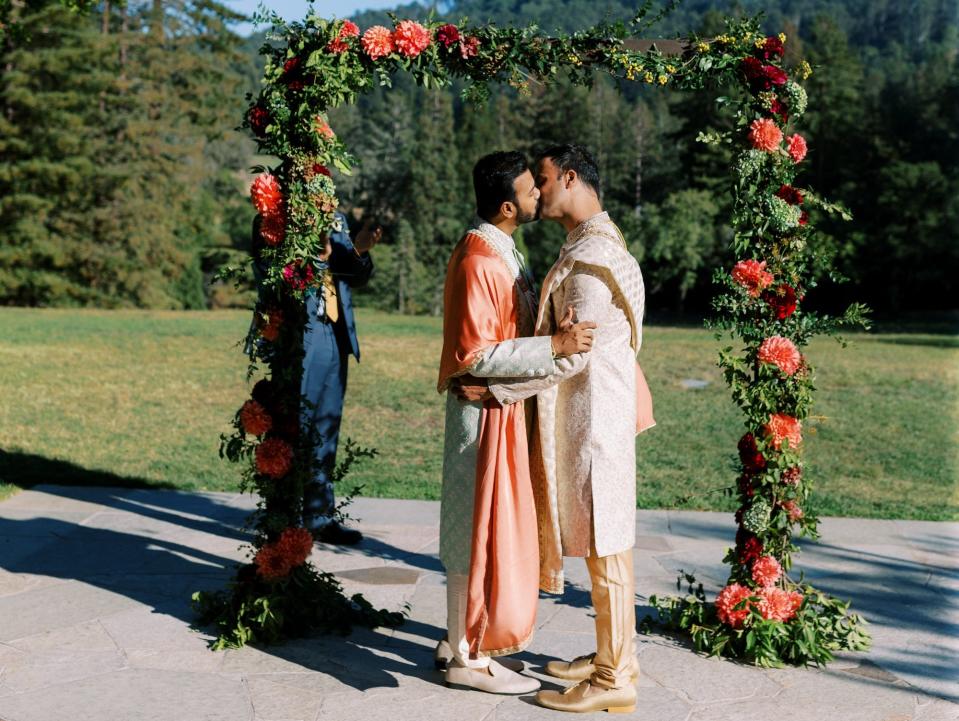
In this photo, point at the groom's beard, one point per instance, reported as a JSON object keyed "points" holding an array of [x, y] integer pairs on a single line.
{"points": [[522, 217]]}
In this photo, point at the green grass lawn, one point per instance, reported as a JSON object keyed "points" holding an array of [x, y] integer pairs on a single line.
{"points": [[140, 398]]}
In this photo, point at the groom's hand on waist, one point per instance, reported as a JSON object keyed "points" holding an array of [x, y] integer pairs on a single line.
{"points": [[572, 337]]}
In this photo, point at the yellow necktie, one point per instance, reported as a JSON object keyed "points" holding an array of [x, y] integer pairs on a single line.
{"points": [[329, 298]]}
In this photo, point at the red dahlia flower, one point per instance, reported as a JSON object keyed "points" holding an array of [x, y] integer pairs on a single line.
{"points": [[752, 460], [274, 458], [448, 35], [254, 419], [773, 47], [258, 119], [782, 299], [275, 560], [791, 195]]}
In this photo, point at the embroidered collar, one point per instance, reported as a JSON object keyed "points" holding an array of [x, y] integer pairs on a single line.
{"points": [[585, 229]]}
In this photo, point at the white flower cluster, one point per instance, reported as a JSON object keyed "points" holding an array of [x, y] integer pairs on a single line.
{"points": [[784, 216], [797, 98]]}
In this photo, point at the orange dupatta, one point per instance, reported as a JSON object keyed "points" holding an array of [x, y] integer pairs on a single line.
{"points": [[480, 311]]}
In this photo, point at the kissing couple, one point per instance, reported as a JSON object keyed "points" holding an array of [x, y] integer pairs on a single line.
{"points": [[544, 398]]}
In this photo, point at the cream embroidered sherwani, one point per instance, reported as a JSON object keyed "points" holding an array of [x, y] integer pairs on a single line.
{"points": [[583, 457]]}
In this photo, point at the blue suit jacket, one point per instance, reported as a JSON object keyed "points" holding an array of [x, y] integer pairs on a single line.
{"points": [[350, 270]]}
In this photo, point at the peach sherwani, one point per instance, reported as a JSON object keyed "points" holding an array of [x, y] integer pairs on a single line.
{"points": [[488, 515]]}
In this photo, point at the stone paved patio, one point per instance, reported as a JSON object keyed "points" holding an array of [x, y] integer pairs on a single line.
{"points": [[95, 620]]}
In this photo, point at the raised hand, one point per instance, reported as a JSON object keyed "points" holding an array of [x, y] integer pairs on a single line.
{"points": [[368, 237], [572, 337]]}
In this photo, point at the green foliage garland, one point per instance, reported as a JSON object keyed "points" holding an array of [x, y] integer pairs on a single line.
{"points": [[319, 64]]}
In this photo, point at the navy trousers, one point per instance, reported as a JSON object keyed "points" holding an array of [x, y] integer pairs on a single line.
{"points": [[324, 386]]}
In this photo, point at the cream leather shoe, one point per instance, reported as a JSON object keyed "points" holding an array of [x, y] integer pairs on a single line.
{"points": [[581, 668], [498, 679], [444, 655], [586, 698]]}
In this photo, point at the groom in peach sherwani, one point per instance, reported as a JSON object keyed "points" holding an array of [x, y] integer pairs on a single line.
{"points": [[488, 541], [583, 464]]}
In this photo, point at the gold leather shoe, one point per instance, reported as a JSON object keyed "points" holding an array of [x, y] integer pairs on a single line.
{"points": [[443, 656], [581, 668], [586, 698]]}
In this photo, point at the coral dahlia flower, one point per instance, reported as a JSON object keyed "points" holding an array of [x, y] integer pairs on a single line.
{"points": [[266, 195], [766, 571], [377, 42], [765, 135], [469, 47], [780, 352], [752, 275], [779, 605], [793, 511], [784, 428], [726, 602], [411, 38], [796, 147]]}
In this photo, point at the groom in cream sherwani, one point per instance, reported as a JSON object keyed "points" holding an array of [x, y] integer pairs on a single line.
{"points": [[583, 464]]}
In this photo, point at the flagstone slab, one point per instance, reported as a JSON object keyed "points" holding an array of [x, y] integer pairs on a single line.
{"points": [[135, 695], [55, 607], [95, 618]]}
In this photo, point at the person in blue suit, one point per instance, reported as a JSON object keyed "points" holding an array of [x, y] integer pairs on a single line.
{"points": [[328, 341]]}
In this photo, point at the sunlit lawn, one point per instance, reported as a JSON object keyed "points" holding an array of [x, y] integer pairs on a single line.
{"points": [[134, 397]]}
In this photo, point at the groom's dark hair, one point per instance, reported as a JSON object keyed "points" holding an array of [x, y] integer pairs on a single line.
{"points": [[493, 177], [568, 157]]}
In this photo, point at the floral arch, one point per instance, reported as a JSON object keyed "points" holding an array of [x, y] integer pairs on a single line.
{"points": [[762, 615]]}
